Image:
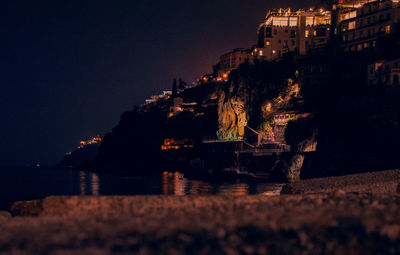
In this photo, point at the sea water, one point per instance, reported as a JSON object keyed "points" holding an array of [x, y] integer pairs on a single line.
{"points": [[29, 183]]}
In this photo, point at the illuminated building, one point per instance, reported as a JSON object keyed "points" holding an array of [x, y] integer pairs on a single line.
{"points": [[384, 73], [176, 144], [94, 140], [352, 3], [231, 61], [287, 31], [361, 26]]}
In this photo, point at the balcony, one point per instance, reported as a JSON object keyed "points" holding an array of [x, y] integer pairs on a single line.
{"points": [[395, 70]]}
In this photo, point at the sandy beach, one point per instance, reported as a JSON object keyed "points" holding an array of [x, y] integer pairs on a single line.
{"points": [[327, 222]]}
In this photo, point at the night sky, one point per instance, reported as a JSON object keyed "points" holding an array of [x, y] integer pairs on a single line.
{"points": [[70, 68]]}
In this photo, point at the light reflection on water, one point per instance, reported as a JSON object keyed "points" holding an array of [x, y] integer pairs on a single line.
{"points": [[17, 184], [175, 183]]}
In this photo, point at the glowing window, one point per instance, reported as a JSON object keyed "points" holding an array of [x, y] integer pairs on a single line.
{"points": [[309, 21], [261, 52], [292, 21], [280, 21], [387, 29], [267, 43], [350, 15], [352, 25], [307, 33]]}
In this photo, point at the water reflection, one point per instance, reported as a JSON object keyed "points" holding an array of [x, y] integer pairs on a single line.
{"points": [[89, 184], [174, 183], [238, 189]]}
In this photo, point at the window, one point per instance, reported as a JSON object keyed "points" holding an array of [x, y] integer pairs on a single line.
{"points": [[352, 25], [280, 21], [261, 53], [396, 80], [387, 29], [268, 32], [292, 34], [275, 31], [267, 43], [292, 21], [320, 32], [309, 21], [279, 41], [307, 33]]}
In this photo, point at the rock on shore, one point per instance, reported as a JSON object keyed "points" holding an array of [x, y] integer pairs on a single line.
{"points": [[338, 219], [374, 182]]}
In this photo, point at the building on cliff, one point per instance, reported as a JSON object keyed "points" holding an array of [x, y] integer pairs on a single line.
{"points": [[360, 26], [285, 31], [384, 73], [230, 61]]}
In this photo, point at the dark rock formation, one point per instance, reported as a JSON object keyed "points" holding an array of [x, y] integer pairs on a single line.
{"points": [[374, 182], [80, 156]]}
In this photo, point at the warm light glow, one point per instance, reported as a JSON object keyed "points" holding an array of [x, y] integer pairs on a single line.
{"points": [[174, 144], [387, 29], [268, 108], [94, 140]]}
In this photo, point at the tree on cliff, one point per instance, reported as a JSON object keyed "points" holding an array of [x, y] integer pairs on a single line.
{"points": [[181, 85], [174, 88]]}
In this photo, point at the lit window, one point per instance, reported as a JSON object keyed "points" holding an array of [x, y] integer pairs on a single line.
{"points": [[307, 33], [315, 32], [309, 21], [267, 43], [280, 21], [352, 25], [387, 29], [292, 21], [261, 52]]}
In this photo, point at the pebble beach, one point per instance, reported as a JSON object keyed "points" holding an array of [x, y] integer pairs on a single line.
{"points": [[325, 220]]}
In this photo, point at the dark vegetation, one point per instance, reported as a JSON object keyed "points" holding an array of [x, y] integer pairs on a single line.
{"points": [[134, 145], [358, 125], [80, 156], [260, 82]]}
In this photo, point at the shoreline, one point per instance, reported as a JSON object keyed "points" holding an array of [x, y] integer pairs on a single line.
{"points": [[321, 220]]}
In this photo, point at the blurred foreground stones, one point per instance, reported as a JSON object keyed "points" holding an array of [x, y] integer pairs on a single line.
{"points": [[332, 222]]}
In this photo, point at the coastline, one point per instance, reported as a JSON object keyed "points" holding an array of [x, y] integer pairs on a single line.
{"points": [[319, 221]]}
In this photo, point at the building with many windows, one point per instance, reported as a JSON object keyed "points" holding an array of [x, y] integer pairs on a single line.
{"points": [[384, 73], [286, 31], [231, 60], [360, 27]]}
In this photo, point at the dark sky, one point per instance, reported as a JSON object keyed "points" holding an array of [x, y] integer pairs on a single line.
{"points": [[70, 68]]}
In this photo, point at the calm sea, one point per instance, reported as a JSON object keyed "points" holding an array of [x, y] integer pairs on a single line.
{"points": [[17, 184]]}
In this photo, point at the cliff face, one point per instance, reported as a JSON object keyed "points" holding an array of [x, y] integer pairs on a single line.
{"points": [[232, 118], [252, 97]]}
